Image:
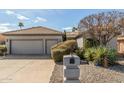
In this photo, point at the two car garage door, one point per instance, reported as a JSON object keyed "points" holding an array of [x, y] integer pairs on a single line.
{"points": [[31, 46]]}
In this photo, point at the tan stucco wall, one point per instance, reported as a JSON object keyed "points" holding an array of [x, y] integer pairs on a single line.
{"points": [[80, 42], [121, 46], [111, 44], [9, 38]]}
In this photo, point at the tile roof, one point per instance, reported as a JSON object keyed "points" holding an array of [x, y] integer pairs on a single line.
{"points": [[34, 31], [72, 34]]}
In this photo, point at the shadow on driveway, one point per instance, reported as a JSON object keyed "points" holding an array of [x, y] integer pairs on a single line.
{"points": [[27, 57]]}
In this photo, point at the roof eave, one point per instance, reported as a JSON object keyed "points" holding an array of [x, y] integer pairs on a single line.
{"points": [[32, 34]]}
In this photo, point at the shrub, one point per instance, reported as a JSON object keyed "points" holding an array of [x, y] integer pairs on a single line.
{"points": [[56, 45], [89, 43], [103, 52], [70, 43], [90, 54], [98, 55], [100, 52], [62, 46], [57, 54], [80, 52], [112, 53], [61, 49], [3, 49]]}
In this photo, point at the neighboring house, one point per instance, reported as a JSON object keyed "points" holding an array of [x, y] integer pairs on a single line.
{"points": [[80, 39], [72, 35], [2, 39], [120, 44], [35, 40], [81, 36]]}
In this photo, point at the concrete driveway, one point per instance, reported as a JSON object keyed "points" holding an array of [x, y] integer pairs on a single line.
{"points": [[26, 70]]}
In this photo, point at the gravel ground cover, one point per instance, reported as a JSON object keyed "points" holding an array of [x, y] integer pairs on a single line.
{"points": [[92, 74]]}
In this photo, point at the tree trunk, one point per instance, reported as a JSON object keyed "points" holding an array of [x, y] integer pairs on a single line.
{"points": [[105, 64]]}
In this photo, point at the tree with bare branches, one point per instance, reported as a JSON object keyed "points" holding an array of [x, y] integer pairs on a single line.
{"points": [[103, 26]]}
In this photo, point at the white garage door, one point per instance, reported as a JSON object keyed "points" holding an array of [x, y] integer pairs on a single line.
{"points": [[27, 47], [49, 44]]}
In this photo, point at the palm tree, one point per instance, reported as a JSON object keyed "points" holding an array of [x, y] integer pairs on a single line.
{"points": [[21, 25], [74, 29]]}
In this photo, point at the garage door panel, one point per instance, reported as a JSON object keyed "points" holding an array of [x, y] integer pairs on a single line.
{"points": [[27, 47], [49, 44]]}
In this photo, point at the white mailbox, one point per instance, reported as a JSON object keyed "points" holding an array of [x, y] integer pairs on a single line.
{"points": [[71, 68]]}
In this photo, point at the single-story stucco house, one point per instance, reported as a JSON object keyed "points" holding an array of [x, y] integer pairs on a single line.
{"points": [[2, 39], [32, 41], [72, 35], [85, 34]]}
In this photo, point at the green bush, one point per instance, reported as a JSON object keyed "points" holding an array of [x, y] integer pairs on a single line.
{"points": [[3, 49], [112, 53], [80, 52], [90, 54], [103, 52], [89, 43], [61, 49], [100, 52], [98, 55]]}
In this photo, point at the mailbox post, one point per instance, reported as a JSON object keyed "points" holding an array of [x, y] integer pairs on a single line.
{"points": [[71, 69]]}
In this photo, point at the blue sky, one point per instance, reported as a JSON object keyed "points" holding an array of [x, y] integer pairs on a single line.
{"points": [[59, 19]]}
